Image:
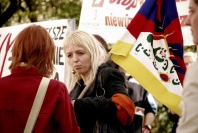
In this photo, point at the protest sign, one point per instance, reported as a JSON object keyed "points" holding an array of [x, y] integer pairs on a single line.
{"points": [[58, 29], [109, 18]]}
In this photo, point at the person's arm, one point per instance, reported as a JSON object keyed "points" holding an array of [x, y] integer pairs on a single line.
{"points": [[148, 121], [116, 105], [150, 112], [116, 88]]}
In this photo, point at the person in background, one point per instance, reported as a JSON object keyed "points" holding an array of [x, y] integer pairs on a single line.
{"points": [[102, 41], [189, 117], [146, 107], [174, 118], [32, 58], [98, 91]]}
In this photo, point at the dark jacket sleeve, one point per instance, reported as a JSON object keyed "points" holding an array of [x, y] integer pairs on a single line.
{"points": [[148, 108], [89, 109]]}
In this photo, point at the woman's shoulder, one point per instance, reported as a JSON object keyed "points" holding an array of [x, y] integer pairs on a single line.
{"points": [[57, 82], [58, 85], [111, 79], [109, 73], [109, 68]]}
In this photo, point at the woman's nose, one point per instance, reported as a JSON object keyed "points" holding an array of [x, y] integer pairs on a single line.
{"points": [[75, 58]]}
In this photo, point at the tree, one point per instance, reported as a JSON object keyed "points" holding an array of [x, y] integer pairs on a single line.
{"points": [[23, 11], [162, 123]]}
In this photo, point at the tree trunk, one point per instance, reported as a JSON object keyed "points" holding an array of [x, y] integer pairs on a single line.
{"points": [[7, 14]]}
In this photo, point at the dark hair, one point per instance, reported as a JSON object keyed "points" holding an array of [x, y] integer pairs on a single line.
{"points": [[35, 47], [102, 41], [196, 1]]}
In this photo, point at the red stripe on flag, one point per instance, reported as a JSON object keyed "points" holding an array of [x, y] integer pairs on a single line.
{"points": [[144, 25]]}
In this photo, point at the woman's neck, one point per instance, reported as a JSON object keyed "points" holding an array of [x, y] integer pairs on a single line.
{"points": [[85, 78], [23, 64]]}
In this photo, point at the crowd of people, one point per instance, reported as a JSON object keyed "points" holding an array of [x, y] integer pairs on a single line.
{"points": [[97, 96]]}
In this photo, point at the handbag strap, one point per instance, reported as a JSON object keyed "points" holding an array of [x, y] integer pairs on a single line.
{"points": [[37, 105], [84, 91], [100, 85], [99, 80]]}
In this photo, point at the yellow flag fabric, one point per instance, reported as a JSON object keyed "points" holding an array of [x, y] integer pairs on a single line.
{"points": [[145, 77], [151, 50]]}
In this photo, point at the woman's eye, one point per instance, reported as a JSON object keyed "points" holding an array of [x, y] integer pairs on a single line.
{"points": [[69, 55], [81, 53]]}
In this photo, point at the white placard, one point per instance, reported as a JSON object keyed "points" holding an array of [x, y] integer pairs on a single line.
{"points": [[109, 18], [58, 29]]}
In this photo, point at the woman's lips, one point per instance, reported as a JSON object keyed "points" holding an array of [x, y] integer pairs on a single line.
{"points": [[78, 67]]}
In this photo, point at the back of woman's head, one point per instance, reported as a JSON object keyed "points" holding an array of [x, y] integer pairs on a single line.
{"points": [[93, 47], [34, 47]]}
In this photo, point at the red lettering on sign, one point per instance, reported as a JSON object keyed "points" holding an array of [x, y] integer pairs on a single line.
{"points": [[128, 3], [117, 21], [97, 3], [8, 44]]}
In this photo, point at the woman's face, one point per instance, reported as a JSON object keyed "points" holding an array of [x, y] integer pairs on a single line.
{"points": [[192, 20], [79, 59]]}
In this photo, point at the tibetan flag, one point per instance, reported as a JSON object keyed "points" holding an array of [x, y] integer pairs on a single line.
{"points": [[151, 50]]}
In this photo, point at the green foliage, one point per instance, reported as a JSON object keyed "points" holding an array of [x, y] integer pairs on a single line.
{"points": [[4, 5], [162, 123], [42, 10]]}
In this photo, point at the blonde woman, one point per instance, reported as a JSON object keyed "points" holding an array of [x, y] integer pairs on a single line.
{"points": [[88, 78]]}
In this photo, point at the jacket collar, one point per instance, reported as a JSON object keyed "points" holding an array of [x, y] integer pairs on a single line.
{"points": [[22, 70]]}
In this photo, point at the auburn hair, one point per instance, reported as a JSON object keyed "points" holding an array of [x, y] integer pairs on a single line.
{"points": [[34, 47], [196, 1]]}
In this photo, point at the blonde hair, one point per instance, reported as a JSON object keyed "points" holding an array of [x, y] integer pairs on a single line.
{"points": [[92, 47], [35, 47]]}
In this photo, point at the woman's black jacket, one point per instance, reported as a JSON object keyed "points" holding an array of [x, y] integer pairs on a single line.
{"points": [[90, 107]]}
